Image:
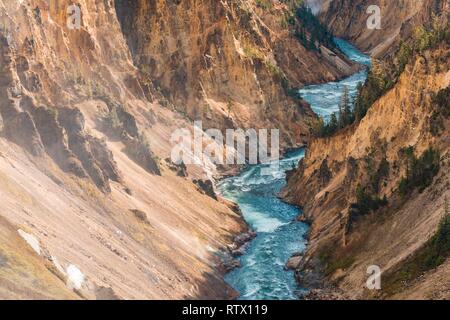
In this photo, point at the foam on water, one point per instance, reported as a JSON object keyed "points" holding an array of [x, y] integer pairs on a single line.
{"points": [[324, 98], [262, 275]]}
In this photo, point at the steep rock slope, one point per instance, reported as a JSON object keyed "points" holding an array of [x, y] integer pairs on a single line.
{"points": [[81, 171], [228, 63], [352, 188]]}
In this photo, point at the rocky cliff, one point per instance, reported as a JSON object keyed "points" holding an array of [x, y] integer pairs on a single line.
{"points": [[229, 62], [81, 171], [356, 187], [348, 19], [90, 94]]}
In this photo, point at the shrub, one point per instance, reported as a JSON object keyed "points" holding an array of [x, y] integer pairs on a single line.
{"points": [[366, 203], [317, 31], [419, 172], [441, 101], [252, 52], [264, 4], [380, 174]]}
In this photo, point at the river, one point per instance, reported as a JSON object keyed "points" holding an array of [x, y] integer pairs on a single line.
{"points": [[262, 275]]}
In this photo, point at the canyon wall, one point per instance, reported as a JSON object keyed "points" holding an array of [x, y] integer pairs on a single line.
{"points": [[82, 169], [87, 110], [351, 185], [348, 19], [228, 63]]}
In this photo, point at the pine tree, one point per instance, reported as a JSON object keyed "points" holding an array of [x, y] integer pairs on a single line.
{"points": [[312, 42], [333, 125], [348, 115], [345, 109], [359, 111], [320, 127]]}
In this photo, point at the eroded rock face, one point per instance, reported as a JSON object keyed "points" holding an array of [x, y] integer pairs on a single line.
{"points": [[56, 141], [105, 158], [207, 187], [328, 179], [79, 142], [228, 63], [56, 85], [22, 130], [348, 19], [344, 242], [139, 150]]}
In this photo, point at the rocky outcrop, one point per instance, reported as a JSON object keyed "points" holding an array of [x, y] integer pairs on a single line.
{"points": [[207, 187], [18, 125], [105, 158], [21, 129], [56, 141], [86, 148]]}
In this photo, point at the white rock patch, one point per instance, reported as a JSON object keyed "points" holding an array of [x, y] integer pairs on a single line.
{"points": [[31, 240], [75, 277]]}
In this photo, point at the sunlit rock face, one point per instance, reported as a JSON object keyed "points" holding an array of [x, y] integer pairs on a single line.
{"points": [[212, 57], [329, 180]]}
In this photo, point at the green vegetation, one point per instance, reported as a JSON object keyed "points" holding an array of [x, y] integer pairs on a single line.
{"points": [[367, 198], [333, 261], [112, 120], [419, 172], [275, 71], [442, 102], [264, 4], [318, 33], [366, 202], [345, 114], [306, 27], [254, 53], [434, 253], [376, 173], [344, 117], [441, 106], [382, 172], [384, 75]]}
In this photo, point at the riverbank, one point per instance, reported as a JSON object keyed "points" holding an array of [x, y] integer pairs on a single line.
{"points": [[262, 272]]}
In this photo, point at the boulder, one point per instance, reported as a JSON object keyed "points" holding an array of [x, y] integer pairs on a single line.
{"points": [[293, 262]]}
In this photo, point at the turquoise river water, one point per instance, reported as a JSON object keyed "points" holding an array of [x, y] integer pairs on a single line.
{"points": [[262, 275]]}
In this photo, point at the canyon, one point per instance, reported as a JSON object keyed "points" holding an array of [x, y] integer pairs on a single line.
{"points": [[364, 165], [92, 206], [86, 119]]}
